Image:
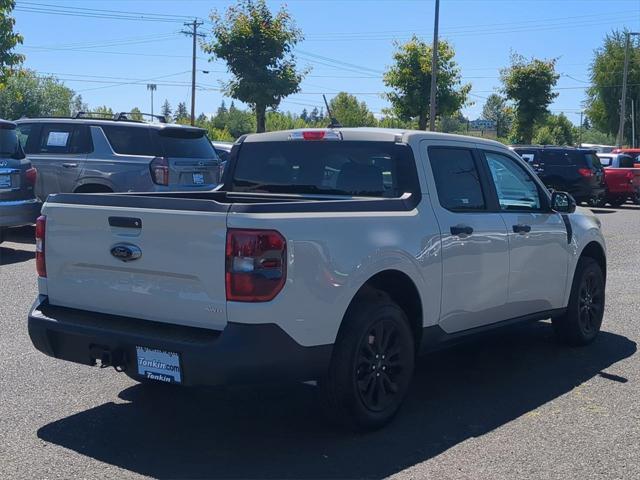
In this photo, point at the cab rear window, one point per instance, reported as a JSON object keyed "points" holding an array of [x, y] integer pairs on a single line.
{"points": [[372, 169]]}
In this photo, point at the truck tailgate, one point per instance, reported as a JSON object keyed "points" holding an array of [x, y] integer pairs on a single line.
{"points": [[179, 277]]}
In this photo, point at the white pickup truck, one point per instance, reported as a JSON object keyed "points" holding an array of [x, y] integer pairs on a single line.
{"points": [[335, 255]]}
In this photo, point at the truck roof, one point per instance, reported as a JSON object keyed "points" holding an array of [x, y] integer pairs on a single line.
{"points": [[371, 134]]}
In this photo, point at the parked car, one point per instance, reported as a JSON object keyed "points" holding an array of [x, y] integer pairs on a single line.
{"points": [[18, 204], [598, 147], [327, 254], [632, 152], [574, 170], [90, 155], [621, 178], [223, 149]]}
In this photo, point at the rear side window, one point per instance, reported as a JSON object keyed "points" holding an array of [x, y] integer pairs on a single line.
{"points": [[457, 179], [131, 140], [560, 159], [63, 138], [354, 168], [625, 161]]}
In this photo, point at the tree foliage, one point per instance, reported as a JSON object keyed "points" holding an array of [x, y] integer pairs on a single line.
{"points": [[182, 115], [603, 98], [410, 80], [28, 95], [529, 84], [166, 111], [9, 59], [351, 113], [136, 114], [556, 130], [497, 110], [257, 46]]}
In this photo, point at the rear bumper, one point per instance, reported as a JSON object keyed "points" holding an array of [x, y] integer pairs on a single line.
{"points": [[240, 353], [15, 213]]}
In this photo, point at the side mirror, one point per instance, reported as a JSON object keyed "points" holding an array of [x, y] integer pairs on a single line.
{"points": [[562, 202]]}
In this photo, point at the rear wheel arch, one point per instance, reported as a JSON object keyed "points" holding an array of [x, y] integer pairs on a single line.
{"points": [[400, 288], [93, 188]]}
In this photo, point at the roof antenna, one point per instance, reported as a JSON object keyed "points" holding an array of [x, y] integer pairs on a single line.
{"points": [[334, 123]]}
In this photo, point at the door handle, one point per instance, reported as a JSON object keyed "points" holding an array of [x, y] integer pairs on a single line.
{"points": [[521, 228], [70, 165], [461, 230]]}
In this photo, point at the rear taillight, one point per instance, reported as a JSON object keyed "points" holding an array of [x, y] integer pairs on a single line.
{"points": [[31, 175], [585, 172], [41, 228], [630, 176], [256, 266], [159, 167]]}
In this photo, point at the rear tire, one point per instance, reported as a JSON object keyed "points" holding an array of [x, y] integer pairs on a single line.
{"points": [[580, 324], [372, 364], [617, 202], [2, 234]]}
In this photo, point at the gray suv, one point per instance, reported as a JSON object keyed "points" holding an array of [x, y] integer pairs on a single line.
{"points": [[116, 154]]}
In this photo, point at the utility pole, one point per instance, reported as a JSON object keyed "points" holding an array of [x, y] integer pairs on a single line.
{"points": [[152, 87], [633, 124], [623, 100], [434, 71], [194, 33]]}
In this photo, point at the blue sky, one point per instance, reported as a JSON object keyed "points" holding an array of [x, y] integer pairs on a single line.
{"points": [[348, 44]]}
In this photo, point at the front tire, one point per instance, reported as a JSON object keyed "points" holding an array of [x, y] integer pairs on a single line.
{"points": [[372, 364], [582, 321]]}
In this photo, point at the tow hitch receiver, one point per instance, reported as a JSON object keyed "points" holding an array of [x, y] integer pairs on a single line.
{"points": [[105, 357]]}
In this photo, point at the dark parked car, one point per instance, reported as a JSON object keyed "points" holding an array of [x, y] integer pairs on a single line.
{"points": [[18, 205], [568, 169]]}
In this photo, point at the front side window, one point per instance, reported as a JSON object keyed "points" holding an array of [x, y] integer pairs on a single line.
{"points": [[515, 188], [457, 179]]}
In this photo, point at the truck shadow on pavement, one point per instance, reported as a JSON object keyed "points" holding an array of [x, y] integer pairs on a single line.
{"points": [[9, 256], [279, 432]]}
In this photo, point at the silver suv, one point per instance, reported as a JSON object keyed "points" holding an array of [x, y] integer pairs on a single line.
{"points": [[85, 155]]}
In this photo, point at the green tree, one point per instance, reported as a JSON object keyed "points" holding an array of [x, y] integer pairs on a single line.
{"points": [[257, 46], [529, 84], [556, 130], [28, 95], [103, 110], [136, 114], [240, 122], [165, 110], [221, 117], [9, 60], [78, 105], [182, 115], [410, 79], [495, 109], [351, 113], [603, 97]]}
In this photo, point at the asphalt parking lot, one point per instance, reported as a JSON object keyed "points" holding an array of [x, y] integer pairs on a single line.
{"points": [[515, 405]]}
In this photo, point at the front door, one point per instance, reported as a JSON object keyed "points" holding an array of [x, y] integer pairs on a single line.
{"points": [[538, 242], [475, 249]]}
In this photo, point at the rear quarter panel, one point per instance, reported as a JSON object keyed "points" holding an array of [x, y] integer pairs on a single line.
{"points": [[332, 255]]}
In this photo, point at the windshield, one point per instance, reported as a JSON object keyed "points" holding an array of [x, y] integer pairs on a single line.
{"points": [[9, 145], [184, 143], [605, 161], [374, 169]]}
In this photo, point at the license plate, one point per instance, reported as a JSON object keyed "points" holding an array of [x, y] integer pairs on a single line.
{"points": [[159, 365], [5, 181], [198, 178]]}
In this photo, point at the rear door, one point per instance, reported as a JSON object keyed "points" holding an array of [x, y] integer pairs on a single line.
{"points": [[475, 249], [538, 245], [58, 151], [178, 275]]}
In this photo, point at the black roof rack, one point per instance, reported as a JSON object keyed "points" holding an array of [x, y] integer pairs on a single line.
{"points": [[125, 116]]}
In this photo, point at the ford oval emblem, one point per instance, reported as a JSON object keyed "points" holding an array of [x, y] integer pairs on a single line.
{"points": [[126, 252]]}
